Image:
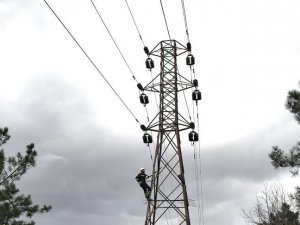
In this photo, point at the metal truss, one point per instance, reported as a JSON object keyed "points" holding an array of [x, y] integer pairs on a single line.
{"points": [[169, 198]]}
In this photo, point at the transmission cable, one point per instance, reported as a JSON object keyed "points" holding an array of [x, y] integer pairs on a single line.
{"points": [[162, 7], [198, 171], [91, 61], [133, 76], [135, 23], [186, 104], [198, 164], [185, 20], [121, 51], [197, 184], [150, 150], [200, 168], [198, 175]]}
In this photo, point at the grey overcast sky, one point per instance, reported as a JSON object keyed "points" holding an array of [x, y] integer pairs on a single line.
{"points": [[90, 148]]}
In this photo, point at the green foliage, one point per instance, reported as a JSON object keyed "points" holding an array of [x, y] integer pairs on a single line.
{"points": [[296, 198], [273, 207], [293, 103], [290, 160], [283, 217], [16, 207], [4, 137]]}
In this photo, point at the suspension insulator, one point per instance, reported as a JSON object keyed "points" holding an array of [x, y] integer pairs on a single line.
{"points": [[143, 127], [195, 82], [190, 60], [189, 46], [196, 95], [149, 63], [146, 50], [147, 138], [144, 99], [193, 136], [140, 87], [192, 125]]}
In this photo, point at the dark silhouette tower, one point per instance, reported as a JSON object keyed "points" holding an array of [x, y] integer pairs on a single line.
{"points": [[169, 195]]}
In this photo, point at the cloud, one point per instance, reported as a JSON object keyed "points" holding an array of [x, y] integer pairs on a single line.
{"points": [[87, 163], [51, 158], [87, 173], [81, 168], [10, 10]]}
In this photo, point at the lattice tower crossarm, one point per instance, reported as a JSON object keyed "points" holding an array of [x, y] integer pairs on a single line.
{"points": [[169, 199]]}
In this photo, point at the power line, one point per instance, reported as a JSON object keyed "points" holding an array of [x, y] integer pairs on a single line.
{"points": [[133, 76], [135, 23], [197, 184], [162, 7], [185, 20], [185, 98], [198, 165], [200, 170], [91, 61], [197, 174]]}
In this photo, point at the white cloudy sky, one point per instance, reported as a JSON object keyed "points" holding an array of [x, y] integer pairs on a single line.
{"points": [[90, 149]]}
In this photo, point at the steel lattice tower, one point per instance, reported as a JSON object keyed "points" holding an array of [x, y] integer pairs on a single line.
{"points": [[169, 194]]}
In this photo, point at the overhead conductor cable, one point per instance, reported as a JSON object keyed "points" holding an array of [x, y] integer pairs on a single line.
{"points": [[162, 7], [198, 164], [139, 33], [133, 76], [135, 23], [91, 61], [200, 170], [185, 20]]}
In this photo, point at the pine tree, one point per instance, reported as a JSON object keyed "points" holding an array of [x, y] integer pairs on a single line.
{"points": [[292, 159], [16, 208], [293, 103], [283, 217], [272, 207]]}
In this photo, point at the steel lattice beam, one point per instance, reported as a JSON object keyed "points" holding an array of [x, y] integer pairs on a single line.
{"points": [[168, 186]]}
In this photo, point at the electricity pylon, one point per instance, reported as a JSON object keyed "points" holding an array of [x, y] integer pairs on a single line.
{"points": [[169, 196]]}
